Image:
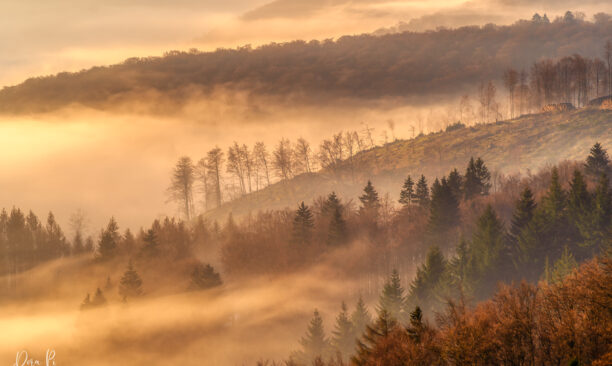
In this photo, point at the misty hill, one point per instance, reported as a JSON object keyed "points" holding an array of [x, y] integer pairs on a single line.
{"points": [[414, 65], [523, 144]]}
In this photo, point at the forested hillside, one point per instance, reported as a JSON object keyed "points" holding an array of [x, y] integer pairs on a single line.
{"points": [[522, 144], [435, 64]]}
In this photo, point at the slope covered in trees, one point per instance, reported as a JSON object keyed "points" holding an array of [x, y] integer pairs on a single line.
{"points": [[415, 65], [521, 144]]}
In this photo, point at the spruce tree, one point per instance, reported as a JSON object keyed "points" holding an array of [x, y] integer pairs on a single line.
{"points": [[109, 238], [601, 234], [331, 204], [392, 299], [563, 266], [477, 180], [370, 202], [343, 335], [444, 209], [422, 192], [487, 245], [360, 318], [416, 327], [337, 228], [455, 182], [381, 329], [598, 162], [86, 304], [407, 195], [204, 277], [151, 246], [523, 213], [424, 286], [314, 343], [130, 284], [302, 225], [99, 299]]}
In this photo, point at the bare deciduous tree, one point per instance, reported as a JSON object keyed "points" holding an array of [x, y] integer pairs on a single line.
{"points": [[181, 185], [283, 159], [262, 159], [214, 164]]}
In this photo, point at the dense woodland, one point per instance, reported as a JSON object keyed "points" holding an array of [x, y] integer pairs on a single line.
{"points": [[445, 62]]}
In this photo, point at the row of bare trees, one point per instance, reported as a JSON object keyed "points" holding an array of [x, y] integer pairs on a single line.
{"points": [[224, 176], [571, 79]]}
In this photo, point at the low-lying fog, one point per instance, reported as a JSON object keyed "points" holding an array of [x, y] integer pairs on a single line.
{"points": [[110, 164]]}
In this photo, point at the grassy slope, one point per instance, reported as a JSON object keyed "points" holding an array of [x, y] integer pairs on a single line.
{"points": [[528, 142]]}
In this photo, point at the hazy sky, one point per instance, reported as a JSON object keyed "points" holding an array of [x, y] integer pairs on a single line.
{"points": [[39, 37]]}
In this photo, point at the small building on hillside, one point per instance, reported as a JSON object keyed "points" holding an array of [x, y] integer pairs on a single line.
{"points": [[558, 107]]}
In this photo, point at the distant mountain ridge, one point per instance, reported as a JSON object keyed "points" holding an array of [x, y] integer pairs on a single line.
{"points": [[409, 65]]}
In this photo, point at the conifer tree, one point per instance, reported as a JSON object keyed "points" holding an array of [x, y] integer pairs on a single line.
{"points": [[444, 209], [407, 194], [314, 343], [332, 203], [360, 318], [523, 213], [130, 284], [204, 277], [337, 228], [477, 180], [381, 329], [302, 225], [78, 247], [392, 299], [86, 304], [99, 299], [416, 326], [151, 246], [422, 192], [598, 162], [343, 335], [563, 266], [455, 182], [601, 233], [107, 245], [424, 287], [370, 202], [485, 252]]}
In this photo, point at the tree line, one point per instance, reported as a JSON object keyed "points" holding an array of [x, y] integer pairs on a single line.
{"points": [[565, 322], [222, 176]]}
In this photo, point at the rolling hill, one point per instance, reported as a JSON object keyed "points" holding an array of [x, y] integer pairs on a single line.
{"points": [[528, 142], [420, 66]]}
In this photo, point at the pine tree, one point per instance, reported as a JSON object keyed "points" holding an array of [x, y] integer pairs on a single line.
{"points": [[422, 192], [455, 182], [204, 277], [370, 202], [99, 299], [337, 228], [392, 299], [485, 252], [107, 245], [424, 287], [416, 326], [563, 266], [86, 304], [331, 205], [444, 209], [523, 213], [360, 318], [302, 225], [598, 162], [343, 335], [477, 179], [601, 218], [151, 246], [381, 329], [314, 343], [407, 195], [130, 284]]}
